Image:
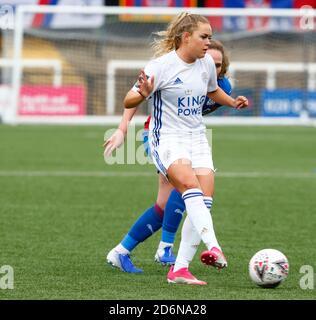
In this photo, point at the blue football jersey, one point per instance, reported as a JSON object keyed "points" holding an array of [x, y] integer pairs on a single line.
{"points": [[209, 104]]}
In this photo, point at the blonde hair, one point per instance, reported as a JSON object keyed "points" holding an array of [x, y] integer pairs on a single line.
{"points": [[171, 38], [216, 45]]}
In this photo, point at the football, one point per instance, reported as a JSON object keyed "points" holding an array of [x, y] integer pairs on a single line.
{"points": [[268, 268]]}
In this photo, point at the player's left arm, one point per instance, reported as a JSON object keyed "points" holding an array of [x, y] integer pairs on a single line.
{"points": [[209, 105], [220, 97]]}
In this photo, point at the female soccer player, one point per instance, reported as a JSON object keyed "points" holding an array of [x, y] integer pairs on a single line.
{"points": [[176, 84], [169, 207]]}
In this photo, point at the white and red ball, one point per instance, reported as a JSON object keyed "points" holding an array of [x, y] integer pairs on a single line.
{"points": [[268, 268]]}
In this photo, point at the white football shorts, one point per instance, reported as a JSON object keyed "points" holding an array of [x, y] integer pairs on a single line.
{"points": [[172, 147]]}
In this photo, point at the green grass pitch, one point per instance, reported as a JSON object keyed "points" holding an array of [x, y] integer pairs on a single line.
{"points": [[60, 215]]}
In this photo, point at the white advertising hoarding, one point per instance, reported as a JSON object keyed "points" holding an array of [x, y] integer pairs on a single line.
{"points": [[58, 20]]}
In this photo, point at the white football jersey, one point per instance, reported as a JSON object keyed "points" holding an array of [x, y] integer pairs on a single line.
{"points": [[179, 93]]}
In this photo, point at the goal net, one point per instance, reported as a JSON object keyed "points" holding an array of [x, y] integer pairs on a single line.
{"points": [[62, 73]]}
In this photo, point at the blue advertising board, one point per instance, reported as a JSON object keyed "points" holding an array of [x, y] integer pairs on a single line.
{"points": [[311, 104], [287, 103]]}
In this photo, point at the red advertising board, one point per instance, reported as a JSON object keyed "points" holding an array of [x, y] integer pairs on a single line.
{"points": [[52, 101]]}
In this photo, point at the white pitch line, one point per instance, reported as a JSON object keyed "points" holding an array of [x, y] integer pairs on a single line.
{"points": [[126, 174], [75, 174], [266, 174]]}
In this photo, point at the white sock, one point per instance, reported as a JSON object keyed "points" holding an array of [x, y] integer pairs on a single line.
{"points": [[209, 202], [190, 240], [200, 216], [121, 250]]}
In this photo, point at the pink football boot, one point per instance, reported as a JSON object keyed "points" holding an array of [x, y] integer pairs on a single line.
{"points": [[214, 257], [183, 276]]}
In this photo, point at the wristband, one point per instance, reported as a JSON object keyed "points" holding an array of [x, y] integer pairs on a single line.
{"points": [[142, 95]]}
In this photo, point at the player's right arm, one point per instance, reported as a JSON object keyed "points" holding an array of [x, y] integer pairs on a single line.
{"points": [[133, 98], [141, 91], [117, 138]]}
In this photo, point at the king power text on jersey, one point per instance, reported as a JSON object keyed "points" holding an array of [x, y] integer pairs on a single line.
{"points": [[190, 105]]}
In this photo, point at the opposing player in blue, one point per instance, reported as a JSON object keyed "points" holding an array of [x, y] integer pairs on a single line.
{"points": [[168, 210]]}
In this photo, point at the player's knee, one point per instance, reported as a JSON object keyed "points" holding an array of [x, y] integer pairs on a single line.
{"points": [[189, 184]]}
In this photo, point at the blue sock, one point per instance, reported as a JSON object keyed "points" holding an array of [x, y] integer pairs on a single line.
{"points": [[145, 226], [174, 210]]}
